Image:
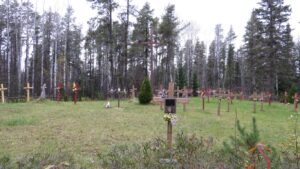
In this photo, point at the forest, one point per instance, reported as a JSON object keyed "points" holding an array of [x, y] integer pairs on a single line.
{"points": [[124, 45]]}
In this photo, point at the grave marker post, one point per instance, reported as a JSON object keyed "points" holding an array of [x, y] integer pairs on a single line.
{"points": [[170, 109], [132, 91], [296, 99], [270, 98], [28, 88], [75, 92], [262, 101], [219, 106], [286, 96], [58, 91], [254, 97], [2, 89]]}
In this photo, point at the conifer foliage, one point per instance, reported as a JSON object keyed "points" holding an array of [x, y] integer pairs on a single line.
{"points": [[145, 95], [243, 148]]}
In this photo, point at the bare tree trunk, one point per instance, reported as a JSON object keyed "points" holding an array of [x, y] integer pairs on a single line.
{"points": [[8, 54], [111, 59]]}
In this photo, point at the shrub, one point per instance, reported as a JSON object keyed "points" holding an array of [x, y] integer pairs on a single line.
{"points": [[145, 95]]}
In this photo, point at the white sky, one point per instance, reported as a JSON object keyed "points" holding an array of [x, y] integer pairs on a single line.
{"points": [[204, 14]]}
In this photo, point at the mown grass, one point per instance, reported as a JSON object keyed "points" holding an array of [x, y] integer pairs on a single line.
{"points": [[86, 129]]}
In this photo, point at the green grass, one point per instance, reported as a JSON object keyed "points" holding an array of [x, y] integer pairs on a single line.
{"points": [[87, 129]]}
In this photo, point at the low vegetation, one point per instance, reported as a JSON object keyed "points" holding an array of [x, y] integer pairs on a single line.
{"points": [[86, 135]]}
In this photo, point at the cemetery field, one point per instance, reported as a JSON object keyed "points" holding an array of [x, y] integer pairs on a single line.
{"points": [[87, 128]]}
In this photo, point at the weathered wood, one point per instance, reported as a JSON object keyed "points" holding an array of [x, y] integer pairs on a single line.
{"points": [[169, 135], [286, 96], [28, 88], [296, 100], [132, 91], [171, 90], [158, 100], [183, 101], [2, 89], [261, 99], [254, 98], [219, 107]]}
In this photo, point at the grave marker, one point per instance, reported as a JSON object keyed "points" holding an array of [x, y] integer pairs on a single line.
{"points": [[28, 88], [254, 98], [219, 107], [59, 87], [286, 96], [2, 89], [75, 92], [296, 100], [132, 91], [171, 89], [170, 109], [201, 95], [261, 99], [270, 98]]}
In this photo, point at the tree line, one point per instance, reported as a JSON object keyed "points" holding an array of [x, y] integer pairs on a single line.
{"points": [[123, 45]]}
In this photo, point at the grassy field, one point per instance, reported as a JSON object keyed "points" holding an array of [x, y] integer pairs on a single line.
{"points": [[88, 128]]}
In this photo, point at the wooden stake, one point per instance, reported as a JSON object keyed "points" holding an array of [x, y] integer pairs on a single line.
{"points": [[219, 107], [169, 135]]}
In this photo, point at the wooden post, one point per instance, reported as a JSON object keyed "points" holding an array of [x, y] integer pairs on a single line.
{"points": [[132, 91], [169, 135], [75, 92], [219, 107], [171, 90], [177, 92], [119, 90], [270, 98], [208, 95], [262, 101], [228, 104], [254, 97], [27, 88], [286, 96], [2, 89], [296, 99]]}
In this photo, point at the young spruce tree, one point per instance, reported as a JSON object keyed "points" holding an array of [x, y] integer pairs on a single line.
{"points": [[145, 95]]}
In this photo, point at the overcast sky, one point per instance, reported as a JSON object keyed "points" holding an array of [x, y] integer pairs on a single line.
{"points": [[203, 14]]}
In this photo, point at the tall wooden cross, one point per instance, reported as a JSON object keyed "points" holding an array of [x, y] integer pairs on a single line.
{"points": [[171, 89], [132, 91], [296, 99], [201, 94], [28, 88], [2, 89]]}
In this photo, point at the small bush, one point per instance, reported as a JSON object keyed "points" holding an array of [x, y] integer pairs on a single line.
{"points": [[145, 95]]}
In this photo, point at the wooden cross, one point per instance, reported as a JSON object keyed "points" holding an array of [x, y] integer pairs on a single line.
{"points": [[185, 92], [171, 90], [132, 91], [201, 94], [270, 98], [178, 91], [2, 89], [254, 97], [27, 88], [296, 99], [286, 95]]}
